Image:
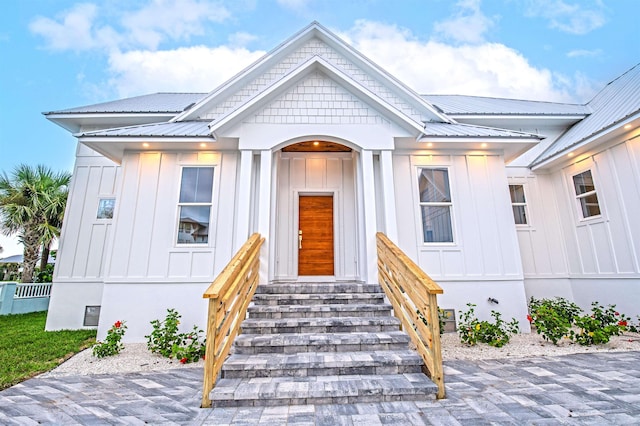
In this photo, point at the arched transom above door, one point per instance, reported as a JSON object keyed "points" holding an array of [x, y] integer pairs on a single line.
{"points": [[316, 146]]}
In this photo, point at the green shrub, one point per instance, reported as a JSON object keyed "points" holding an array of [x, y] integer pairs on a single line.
{"points": [[597, 328], [497, 334], [168, 342], [552, 318], [112, 344]]}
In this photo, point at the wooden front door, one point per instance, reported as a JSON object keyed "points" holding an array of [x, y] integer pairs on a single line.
{"points": [[315, 235]]}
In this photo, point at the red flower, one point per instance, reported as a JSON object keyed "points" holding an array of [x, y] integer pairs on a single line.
{"points": [[529, 318], [203, 357], [183, 361], [622, 323], [616, 313], [118, 324]]}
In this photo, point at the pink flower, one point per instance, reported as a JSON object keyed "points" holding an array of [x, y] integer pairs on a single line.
{"points": [[616, 313]]}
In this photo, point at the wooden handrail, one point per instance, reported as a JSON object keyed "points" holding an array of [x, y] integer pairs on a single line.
{"points": [[229, 296], [413, 295]]}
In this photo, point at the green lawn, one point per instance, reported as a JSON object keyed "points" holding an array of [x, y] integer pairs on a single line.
{"points": [[27, 350]]}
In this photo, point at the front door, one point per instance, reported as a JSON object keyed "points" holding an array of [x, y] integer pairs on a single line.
{"points": [[315, 235]]}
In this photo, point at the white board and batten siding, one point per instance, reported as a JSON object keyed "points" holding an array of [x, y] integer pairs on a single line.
{"points": [[483, 261], [141, 249], [316, 174], [564, 254]]}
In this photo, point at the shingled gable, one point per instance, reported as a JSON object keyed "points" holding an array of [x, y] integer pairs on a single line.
{"points": [[312, 47]]}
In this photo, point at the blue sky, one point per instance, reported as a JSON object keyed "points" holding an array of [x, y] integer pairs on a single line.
{"points": [[58, 54]]}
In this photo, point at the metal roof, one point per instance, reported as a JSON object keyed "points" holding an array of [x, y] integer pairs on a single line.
{"points": [[478, 105], [180, 128], [452, 130], [617, 101], [153, 103]]}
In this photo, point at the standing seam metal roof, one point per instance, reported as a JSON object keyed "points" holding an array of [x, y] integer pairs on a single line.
{"points": [[618, 100], [468, 130], [180, 128], [478, 105], [153, 103]]}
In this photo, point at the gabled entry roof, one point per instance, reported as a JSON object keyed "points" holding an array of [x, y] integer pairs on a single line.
{"points": [[354, 62]]}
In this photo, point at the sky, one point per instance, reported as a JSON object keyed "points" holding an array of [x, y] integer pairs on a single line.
{"points": [[58, 54]]}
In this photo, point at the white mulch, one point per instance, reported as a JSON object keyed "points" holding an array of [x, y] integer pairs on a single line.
{"points": [[135, 356]]}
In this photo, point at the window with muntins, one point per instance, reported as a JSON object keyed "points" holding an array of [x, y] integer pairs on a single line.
{"points": [[518, 204], [586, 194], [194, 205], [435, 205]]}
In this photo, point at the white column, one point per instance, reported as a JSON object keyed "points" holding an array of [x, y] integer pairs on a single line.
{"points": [[369, 215], [243, 214], [389, 195], [264, 212]]}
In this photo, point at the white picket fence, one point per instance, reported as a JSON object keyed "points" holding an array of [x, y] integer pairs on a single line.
{"points": [[28, 291]]}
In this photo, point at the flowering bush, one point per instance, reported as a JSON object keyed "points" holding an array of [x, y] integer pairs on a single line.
{"points": [[597, 328], [168, 342], [112, 344], [558, 318], [552, 318], [472, 330]]}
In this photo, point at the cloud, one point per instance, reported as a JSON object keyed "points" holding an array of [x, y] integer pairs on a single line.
{"points": [[173, 19], [79, 29], [584, 53], [468, 25], [575, 18], [188, 69], [241, 39], [433, 67], [72, 31]]}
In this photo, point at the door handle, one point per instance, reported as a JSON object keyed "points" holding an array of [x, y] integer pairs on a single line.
{"points": [[300, 240]]}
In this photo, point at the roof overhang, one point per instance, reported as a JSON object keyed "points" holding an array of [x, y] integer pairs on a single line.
{"points": [[74, 122], [519, 121], [593, 144], [114, 147], [510, 148]]}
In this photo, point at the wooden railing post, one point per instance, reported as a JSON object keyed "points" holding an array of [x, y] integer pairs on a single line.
{"points": [[209, 355], [413, 295]]}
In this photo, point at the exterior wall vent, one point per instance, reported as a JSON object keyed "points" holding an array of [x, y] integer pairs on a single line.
{"points": [[91, 316]]}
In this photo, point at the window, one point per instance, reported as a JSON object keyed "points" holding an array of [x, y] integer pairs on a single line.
{"points": [[435, 205], [518, 204], [105, 208], [194, 208], [586, 194]]}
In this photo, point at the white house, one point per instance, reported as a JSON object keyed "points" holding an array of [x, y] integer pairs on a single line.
{"points": [[317, 148]]}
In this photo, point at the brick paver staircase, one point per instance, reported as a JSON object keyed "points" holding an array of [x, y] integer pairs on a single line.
{"points": [[320, 343]]}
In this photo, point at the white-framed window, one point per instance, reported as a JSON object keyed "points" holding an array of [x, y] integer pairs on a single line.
{"points": [[518, 204], [586, 195], [194, 205], [435, 204]]}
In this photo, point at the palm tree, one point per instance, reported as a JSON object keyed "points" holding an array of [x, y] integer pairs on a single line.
{"points": [[32, 203]]}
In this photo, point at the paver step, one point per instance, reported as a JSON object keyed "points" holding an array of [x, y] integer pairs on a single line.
{"points": [[319, 342], [319, 325], [316, 298], [319, 311], [313, 288], [321, 364], [345, 389]]}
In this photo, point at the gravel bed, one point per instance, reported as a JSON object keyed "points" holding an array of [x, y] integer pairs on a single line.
{"points": [[135, 357]]}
